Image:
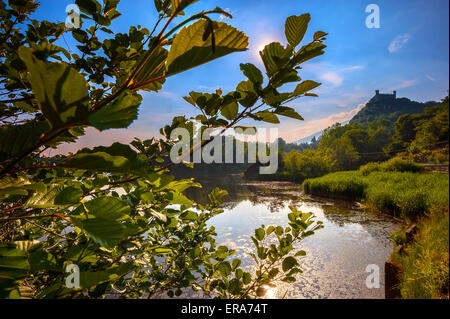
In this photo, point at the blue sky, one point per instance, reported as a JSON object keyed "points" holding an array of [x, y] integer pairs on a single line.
{"points": [[408, 53]]}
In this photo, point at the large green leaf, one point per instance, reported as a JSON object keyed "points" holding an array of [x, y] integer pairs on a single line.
{"points": [[61, 92], [288, 112], [14, 266], [115, 158], [118, 114], [151, 66], [13, 186], [252, 73], [230, 110], [15, 139], [98, 161], [178, 198], [109, 208], [45, 198], [295, 28], [91, 278], [248, 93], [309, 51], [275, 57], [180, 5], [104, 232], [305, 86], [89, 6], [189, 50], [68, 195], [288, 263], [268, 117]]}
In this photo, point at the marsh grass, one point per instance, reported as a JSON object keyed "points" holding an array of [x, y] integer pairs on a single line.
{"points": [[393, 165], [397, 193], [423, 197], [425, 263]]}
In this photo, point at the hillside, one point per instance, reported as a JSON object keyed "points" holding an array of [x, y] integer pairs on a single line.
{"points": [[386, 106]]}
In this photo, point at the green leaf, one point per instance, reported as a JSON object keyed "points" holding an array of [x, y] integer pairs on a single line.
{"points": [[110, 5], [260, 233], [151, 66], [268, 117], [295, 28], [180, 5], [288, 263], [300, 253], [246, 278], [189, 215], [236, 263], [99, 161], [308, 52], [248, 93], [188, 49], [163, 251], [45, 198], [104, 232], [88, 6], [319, 34], [252, 73], [61, 92], [107, 207], [178, 198], [80, 35], [288, 112], [68, 195], [115, 158], [305, 86], [224, 268], [14, 266], [148, 197], [118, 114], [15, 139], [13, 186], [275, 57], [230, 110], [91, 278]]}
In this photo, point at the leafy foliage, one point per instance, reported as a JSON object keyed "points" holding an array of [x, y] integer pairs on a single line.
{"points": [[115, 211], [398, 193]]}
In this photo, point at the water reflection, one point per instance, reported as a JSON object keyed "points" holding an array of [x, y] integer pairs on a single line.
{"points": [[337, 255]]}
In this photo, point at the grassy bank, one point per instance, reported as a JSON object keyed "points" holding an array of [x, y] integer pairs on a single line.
{"points": [[425, 264], [398, 193], [419, 196]]}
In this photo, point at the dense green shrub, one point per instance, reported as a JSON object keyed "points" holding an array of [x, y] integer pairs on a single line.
{"points": [[408, 194], [340, 184], [393, 165], [115, 213]]}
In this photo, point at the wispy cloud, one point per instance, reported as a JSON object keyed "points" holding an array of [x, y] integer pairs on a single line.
{"points": [[399, 42], [308, 128], [406, 84], [429, 77], [332, 77], [336, 76]]}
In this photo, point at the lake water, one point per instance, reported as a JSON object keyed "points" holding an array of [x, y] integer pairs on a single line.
{"points": [[337, 255]]}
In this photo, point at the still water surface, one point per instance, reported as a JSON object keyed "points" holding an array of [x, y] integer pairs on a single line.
{"points": [[337, 255]]}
